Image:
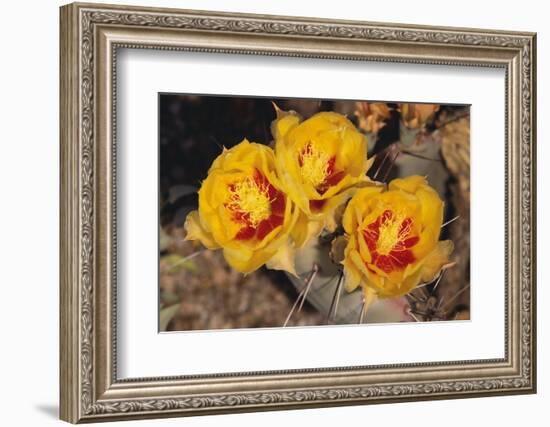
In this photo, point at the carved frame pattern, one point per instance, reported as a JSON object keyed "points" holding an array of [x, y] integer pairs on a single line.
{"points": [[81, 399]]}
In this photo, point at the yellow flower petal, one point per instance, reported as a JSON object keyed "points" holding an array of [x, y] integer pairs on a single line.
{"points": [[356, 206], [283, 259], [438, 258], [245, 261], [306, 229], [369, 297], [195, 231], [352, 278], [284, 122], [409, 184]]}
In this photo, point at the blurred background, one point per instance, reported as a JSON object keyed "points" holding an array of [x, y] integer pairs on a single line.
{"points": [[198, 290]]}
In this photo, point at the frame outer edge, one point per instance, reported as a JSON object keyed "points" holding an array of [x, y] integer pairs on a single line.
{"points": [[69, 354], [533, 206], [78, 203]]}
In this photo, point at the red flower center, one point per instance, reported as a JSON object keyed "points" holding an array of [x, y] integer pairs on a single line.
{"points": [[390, 240], [319, 169], [256, 205]]}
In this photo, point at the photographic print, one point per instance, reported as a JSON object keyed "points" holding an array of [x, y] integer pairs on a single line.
{"points": [[215, 195], [307, 212]]}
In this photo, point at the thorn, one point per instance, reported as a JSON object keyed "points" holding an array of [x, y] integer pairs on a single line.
{"points": [[187, 258], [362, 312], [381, 164], [309, 281], [455, 296], [182, 260], [302, 295], [293, 307], [410, 313], [278, 111], [438, 280], [216, 142], [451, 220], [422, 285], [335, 299], [410, 153], [424, 294], [392, 163], [413, 296]]}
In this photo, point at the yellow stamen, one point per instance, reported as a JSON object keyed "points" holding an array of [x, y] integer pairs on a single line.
{"points": [[389, 233], [315, 165], [249, 199]]}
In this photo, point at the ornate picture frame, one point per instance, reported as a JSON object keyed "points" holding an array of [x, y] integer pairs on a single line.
{"points": [[90, 37]]}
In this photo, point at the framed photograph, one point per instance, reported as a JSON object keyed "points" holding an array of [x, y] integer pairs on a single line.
{"points": [[265, 212]]}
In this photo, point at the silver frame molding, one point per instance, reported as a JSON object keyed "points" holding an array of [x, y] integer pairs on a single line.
{"points": [[90, 37]]}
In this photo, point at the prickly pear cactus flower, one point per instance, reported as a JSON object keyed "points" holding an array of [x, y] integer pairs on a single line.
{"points": [[372, 115], [244, 211], [415, 116], [321, 161], [393, 238]]}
